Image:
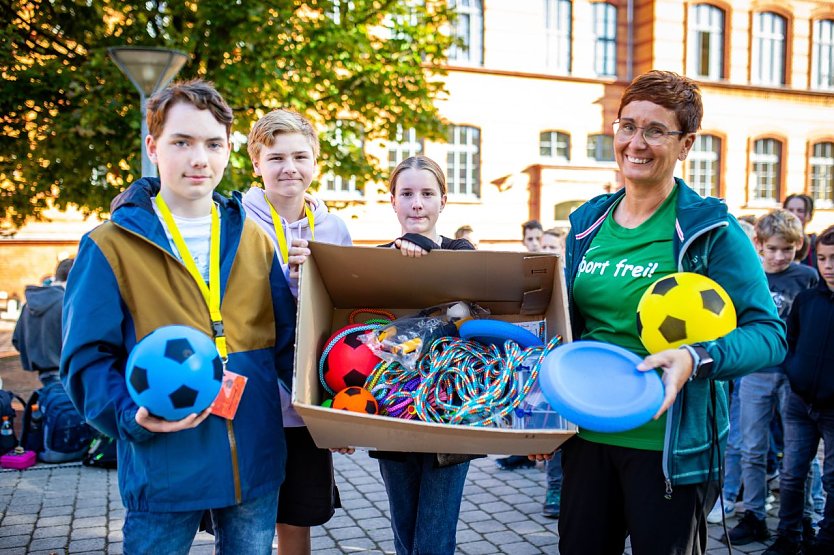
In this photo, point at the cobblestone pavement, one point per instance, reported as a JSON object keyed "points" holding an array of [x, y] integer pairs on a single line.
{"points": [[56, 509]]}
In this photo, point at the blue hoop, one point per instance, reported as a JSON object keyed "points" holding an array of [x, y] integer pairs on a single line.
{"points": [[496, 332]]}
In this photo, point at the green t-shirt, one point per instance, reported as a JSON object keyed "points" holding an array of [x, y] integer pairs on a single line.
{"points": [[615, 271]]}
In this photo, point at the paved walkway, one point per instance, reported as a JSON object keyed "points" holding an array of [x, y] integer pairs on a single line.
{"points": [[56, 509]]}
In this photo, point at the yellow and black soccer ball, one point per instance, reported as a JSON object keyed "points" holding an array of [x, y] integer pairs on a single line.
{"points": [[683, 308]]}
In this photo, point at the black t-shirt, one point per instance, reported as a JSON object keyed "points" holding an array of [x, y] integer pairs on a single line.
{"points": [[445, 243]]}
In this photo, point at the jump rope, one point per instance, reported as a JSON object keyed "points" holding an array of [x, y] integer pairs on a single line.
{"points": [[457, 381]]}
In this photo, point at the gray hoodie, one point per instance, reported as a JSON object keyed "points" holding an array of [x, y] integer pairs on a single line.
{"points": [[37, 334], [329, 228]]}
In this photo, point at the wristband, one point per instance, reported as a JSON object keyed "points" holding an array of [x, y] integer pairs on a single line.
{"points": [[696, 361]]}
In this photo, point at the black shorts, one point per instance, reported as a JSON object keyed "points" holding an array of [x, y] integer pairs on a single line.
{"points": [[309, 495]]}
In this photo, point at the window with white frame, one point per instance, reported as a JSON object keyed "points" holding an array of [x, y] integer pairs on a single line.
{"points": [[406, 145], [822, 56], [336, 185], [822, 175], [601, 148], [706, 41], [605, 39], [766, 175], [704, 165], [332, 185], [463, 161], [557, 25], [468, 31], [554, 144], [768, 57]]}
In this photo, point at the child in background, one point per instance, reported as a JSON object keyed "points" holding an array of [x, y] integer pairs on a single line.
{"points": [[532, 232], [553, 240], [809, 415], [37, 334], [802, 206], [425, 490], [175, 252], [778, 235], [284, 149], [466, 232]]}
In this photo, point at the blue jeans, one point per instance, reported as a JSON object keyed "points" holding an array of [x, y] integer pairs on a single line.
{"points": [[817, 498], [246, 528], [425, 503], [554, 472], [804, 427], [760, 393], [732, 457]]}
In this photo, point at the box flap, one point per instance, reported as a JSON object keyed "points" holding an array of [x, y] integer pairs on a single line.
{"points": [[372, 277]]}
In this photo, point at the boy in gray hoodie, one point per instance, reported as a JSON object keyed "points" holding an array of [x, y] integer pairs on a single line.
{"points": [[37, 334], [284, 147]]}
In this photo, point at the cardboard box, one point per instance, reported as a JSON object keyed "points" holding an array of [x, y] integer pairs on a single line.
{"points": [[335, 280]]}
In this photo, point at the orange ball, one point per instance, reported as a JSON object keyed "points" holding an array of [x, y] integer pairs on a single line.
{"points": [[356, 399]]}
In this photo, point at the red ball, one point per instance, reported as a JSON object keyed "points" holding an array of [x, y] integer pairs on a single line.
{"points": [[349, 362], [356, 399]]}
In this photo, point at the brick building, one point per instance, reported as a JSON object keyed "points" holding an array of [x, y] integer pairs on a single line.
{"points": [[535, 89]]}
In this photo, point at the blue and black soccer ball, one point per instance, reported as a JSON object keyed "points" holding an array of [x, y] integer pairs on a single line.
{"points": [[174, 371]]}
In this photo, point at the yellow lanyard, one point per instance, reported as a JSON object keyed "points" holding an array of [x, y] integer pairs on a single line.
{"points": [[211, 293], [279, 229]]}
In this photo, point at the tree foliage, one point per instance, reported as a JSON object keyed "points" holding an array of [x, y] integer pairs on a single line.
{"points": [[71, 121]]}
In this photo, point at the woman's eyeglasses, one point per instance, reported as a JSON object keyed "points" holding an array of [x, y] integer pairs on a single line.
{"points": [[654, 135]]}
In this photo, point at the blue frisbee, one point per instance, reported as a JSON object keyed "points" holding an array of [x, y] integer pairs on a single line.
{"points": [[598, 387], [496, 332]]}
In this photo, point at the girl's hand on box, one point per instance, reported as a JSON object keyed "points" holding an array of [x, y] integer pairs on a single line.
{"points": [[540, 457], [409, 249], [343, 450], [297, 255]]}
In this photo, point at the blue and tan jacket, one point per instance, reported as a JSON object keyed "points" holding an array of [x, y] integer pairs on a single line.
{"points": [[707, 240], [126, 283]]}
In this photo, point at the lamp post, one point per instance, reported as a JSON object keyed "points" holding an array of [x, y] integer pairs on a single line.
{"points": [[149, 69]]}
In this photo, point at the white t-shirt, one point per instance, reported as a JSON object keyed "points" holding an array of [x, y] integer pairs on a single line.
{"points": [[196, 232]]}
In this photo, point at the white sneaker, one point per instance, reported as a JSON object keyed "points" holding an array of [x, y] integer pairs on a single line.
{"points": [[769, 500], [714, 516]]}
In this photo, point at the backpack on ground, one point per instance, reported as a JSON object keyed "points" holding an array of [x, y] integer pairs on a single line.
{"points": [[101, 453], [31, 435], [66, 436], [7, 410]]}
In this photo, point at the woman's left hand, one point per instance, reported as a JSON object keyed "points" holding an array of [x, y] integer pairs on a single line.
{"points": [[677, 367]]}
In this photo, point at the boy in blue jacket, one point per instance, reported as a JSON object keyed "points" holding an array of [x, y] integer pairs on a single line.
{"points": [[175, 252], [809, 415]]}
